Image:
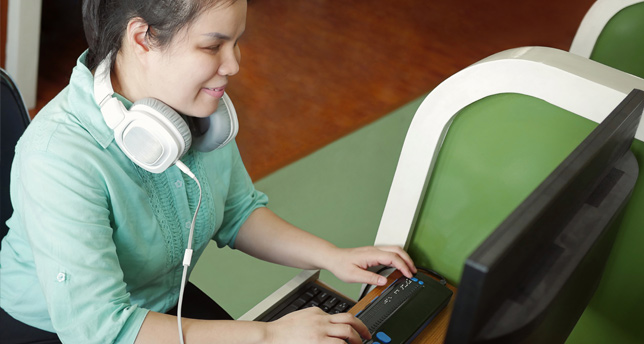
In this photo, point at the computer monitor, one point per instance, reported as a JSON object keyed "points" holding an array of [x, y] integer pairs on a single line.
{"points": [[532, 278]]}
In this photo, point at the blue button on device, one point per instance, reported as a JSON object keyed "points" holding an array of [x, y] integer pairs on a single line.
{"points": [[383, 337]]}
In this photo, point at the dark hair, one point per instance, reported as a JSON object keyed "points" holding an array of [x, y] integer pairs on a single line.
{"points": [[105, 22]]}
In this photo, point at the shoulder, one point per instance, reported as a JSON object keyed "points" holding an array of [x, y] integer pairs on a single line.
{"points": [[55, 129], [57, 143]]}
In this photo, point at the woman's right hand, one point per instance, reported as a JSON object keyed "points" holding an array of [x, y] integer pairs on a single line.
{"points": [[312, 325]]}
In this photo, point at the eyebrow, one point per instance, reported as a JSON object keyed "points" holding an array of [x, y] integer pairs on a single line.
{"points": [[218, 35]]}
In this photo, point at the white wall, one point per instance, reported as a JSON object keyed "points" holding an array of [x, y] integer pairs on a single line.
{"points": [[23, 41]]}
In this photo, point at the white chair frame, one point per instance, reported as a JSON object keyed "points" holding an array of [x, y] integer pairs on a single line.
{"points": [[579, 85], [594, 22]]}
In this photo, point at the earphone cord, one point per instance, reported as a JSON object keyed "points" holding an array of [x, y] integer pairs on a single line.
{"points": [[188, 255]]}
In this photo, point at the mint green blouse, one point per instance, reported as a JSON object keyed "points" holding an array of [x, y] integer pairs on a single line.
{"points": [[95, 241]]}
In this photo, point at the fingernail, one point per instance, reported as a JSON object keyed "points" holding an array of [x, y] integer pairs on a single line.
{"points": [[382, 280]]}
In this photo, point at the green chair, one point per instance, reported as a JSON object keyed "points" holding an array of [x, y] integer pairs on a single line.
{"points": [[612, 32], [483, 140]]}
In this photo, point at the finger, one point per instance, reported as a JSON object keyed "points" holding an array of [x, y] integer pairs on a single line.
{"points": [[358, 275], [403, 255], [330, 340], [401, 261], [356, 324], [394, 260], [346, 332], [407, 258]]}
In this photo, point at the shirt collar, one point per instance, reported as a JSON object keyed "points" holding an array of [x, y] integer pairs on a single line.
{"points": [[84, 106]]}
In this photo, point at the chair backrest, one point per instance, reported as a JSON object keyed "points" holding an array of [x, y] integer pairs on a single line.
{"points": [[14, 118], [612, 32], [501, 126]]}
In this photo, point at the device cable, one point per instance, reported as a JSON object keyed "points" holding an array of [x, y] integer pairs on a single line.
{"points": [[443, 281], [187, 258]]}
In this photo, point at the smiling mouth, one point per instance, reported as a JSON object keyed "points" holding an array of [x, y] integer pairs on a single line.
{"points": [[216, 92], [216, 89]]}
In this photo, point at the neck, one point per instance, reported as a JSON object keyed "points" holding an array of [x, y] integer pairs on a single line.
{"points": [[126, 78]]}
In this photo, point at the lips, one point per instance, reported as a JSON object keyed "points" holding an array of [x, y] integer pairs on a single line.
{"points": [[216, 92]]}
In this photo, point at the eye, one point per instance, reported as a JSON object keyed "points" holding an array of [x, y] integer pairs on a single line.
{"points": [[213, 49]]}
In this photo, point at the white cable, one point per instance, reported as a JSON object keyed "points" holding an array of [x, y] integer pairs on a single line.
{"points": [[187, 258]]}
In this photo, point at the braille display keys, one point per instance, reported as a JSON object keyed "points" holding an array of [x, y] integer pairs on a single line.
{"points": [[389, 301], [404, 309]]}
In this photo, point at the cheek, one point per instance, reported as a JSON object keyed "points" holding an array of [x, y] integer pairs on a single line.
{"points": [[179, 84], [186, 83], [201, 72]]}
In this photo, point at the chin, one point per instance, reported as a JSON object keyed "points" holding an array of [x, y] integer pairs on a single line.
{"points": [[202, 113]]}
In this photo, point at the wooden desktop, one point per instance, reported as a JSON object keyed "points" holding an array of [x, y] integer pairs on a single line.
{"points": [[434, 332]]}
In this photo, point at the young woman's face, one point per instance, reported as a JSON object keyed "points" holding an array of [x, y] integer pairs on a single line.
{"points": [[190, 75]]}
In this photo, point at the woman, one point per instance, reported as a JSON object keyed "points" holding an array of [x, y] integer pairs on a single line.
{"points": [[96, 242]]}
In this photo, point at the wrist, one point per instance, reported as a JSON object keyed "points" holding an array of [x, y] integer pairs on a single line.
{"points": [[329, 258], [264, 332]]}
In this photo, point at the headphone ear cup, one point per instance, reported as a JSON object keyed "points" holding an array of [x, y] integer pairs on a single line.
{"points": [[156, 107], [221, 127]]}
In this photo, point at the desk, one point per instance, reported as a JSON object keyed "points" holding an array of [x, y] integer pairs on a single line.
{"points": [[434, 332]]}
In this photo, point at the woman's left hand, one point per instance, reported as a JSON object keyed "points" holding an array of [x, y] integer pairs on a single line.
{"points": [[350, 264]]}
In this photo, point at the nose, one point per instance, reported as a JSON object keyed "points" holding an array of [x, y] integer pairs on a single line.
{"points": [[230, 63]]}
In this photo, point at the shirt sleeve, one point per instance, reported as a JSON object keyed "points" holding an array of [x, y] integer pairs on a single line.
{"points": [[67, 218], [241, 201]]}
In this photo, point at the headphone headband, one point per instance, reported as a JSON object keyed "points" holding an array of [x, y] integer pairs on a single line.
{"points": [[112, 109], [102, 86]]}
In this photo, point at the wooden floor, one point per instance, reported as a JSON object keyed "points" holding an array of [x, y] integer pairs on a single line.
{"points": [[316, 70]]}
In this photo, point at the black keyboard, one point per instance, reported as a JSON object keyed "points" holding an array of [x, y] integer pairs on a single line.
{"points": [[311, 295]]}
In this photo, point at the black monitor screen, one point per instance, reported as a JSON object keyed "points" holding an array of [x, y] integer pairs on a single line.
{"points": [[532, 278]]}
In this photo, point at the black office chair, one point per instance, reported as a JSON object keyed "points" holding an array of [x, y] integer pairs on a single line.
{"points": [[14, 119]]}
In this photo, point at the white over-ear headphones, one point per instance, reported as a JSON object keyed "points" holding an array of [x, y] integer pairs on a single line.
{"points": [[151, 133]]}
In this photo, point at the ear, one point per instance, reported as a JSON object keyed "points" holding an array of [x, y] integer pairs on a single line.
{"points": [[136, 36]]}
